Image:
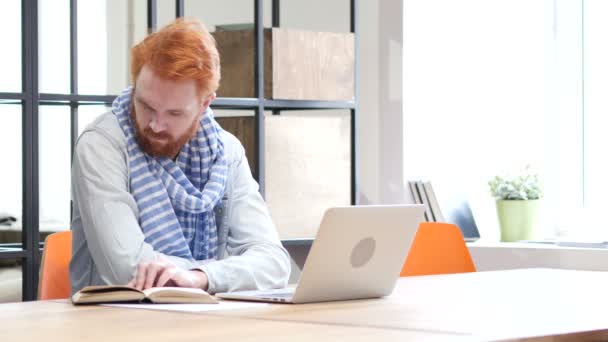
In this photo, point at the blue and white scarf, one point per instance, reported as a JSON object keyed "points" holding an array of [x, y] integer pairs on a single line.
{"points": [[176, 199]]}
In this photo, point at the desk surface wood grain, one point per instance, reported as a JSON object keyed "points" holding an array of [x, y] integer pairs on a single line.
{"points": [[491, 305], [529, 304], [60, 321]]}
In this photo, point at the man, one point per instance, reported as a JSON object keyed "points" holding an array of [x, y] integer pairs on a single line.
{"points": [[162, 196]]}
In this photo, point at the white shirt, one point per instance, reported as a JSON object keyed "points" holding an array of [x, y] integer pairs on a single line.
{"points": [[108, 243]]}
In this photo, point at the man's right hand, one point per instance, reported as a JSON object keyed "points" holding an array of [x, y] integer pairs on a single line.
{"points": [[164, 273]]}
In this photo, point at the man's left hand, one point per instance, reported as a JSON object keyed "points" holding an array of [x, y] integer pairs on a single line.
{"points": [[164, 273]]}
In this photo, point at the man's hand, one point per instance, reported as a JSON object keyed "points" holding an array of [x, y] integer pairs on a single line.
{"points": [[163, 273]]}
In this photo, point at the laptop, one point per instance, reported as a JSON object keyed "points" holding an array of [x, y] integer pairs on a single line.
{"points": [[461, 215], [358, 253]]}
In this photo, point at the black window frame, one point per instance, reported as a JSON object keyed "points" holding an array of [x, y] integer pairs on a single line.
{"points": [[29, 250]]}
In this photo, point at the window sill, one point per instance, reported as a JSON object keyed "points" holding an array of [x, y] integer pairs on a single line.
{"points": [[489, 256], [540, 245]]}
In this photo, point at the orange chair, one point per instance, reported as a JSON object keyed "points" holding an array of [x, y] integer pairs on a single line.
{"points": [[438, 248], [54, 266]]}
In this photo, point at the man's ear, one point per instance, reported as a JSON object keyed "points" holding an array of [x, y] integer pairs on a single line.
{"points": [[208, 101]]}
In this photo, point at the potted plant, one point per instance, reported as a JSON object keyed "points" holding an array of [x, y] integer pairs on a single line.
{"points": [[518, 203]]}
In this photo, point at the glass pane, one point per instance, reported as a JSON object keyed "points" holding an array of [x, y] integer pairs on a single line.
{"points": [[10, 63], [88, 113], [10, 280], [54, 172], [93, 46], [106, 31], [137, 19], [595, 102], [306, 176], [304, 15], [224, 12], [11, 179], [460, 158], [54, 46], [165, 10], [236, 48]]}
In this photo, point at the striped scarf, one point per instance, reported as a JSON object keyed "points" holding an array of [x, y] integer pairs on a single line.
{"points": [[176, 199]]}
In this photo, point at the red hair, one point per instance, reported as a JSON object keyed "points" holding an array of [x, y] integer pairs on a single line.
{"points": [[182, 50]]}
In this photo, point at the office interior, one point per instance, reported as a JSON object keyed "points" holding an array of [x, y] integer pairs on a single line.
{"points": [[452, 93]]}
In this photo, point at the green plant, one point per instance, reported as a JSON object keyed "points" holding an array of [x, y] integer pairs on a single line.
{"points": [[525, 186]]}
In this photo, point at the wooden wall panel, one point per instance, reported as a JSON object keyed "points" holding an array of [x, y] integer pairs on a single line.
{"points": [[236, 50], [242, 127], [298, 65], [312, 65], [307, 169]]}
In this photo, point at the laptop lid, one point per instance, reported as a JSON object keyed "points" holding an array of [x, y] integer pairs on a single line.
{"points": [[458, 211], [358, 252]]}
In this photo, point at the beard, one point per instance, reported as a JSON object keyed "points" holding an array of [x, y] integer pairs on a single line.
{"points": [[162, 144]]}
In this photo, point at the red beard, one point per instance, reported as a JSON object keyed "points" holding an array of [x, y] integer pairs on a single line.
{"points": [[161, 144]]}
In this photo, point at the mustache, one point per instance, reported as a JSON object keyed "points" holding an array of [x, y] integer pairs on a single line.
{"points": [[150, 133]]}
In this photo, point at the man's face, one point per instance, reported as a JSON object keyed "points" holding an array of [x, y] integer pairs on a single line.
{"points": [[166, 113]]}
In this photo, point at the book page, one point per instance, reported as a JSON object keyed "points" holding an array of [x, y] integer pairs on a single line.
{"points": [[107, 288], [222, 305], [103, 293], [175, 291], [178, 295]]}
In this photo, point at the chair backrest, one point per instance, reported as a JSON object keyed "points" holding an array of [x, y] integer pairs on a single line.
{"points": [[438, 248], [54, 266]]}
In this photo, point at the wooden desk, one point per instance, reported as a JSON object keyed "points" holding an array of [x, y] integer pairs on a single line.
{"points": [[490, 305], [59, 321], [535, 304]]}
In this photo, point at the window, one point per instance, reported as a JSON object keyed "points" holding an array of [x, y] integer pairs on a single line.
{"points": [[11, 180], [594, 72], [492, 86], [10, 68], [75, 61], [71, 86], [54, 46], [54, 167]]}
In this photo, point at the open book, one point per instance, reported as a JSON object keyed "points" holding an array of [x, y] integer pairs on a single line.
{"points": [[165, 295]]}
